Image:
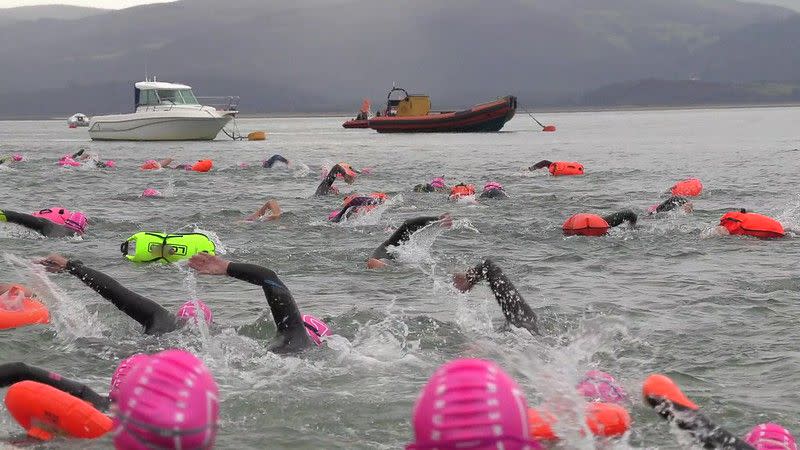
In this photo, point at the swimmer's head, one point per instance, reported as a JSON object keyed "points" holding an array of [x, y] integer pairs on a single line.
{"points": [[491, 185], [76, 222], [150, 192], [123, 369], [168, 401], [111, 164], [189, 311], [17, 157], [770, 436], [471, 401], [316, 328], [598, 386], [438, 183]]}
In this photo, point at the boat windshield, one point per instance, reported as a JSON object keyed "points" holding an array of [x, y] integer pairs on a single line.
{"points": [[151, 97]]}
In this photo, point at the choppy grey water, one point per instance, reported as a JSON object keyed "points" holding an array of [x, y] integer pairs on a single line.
{"points": [[717, 314]]}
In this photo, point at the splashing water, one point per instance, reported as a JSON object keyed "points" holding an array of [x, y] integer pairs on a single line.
{"points": [[70, 318]]}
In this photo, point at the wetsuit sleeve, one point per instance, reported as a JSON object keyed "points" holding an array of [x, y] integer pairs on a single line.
{"points": [[273, 159], [154, 317], [626, 215], [326, 184], [15, 372], [671, 203], [402, 234], [700, 427], [540, 164], [284, 309], [43, 226], [515, 309]]}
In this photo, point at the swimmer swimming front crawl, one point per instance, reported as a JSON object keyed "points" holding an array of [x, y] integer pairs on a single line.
{"points": [[294, 330], [271, 206], [379, 257], [515, 309], [326, 186], [671, 204], [74, 223], [272, 160]]}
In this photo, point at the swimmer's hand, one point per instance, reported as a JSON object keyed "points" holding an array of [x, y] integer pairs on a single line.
{"points": [[209, 264], [374, 263], [462, 282], [54, 263], [446, 221]]}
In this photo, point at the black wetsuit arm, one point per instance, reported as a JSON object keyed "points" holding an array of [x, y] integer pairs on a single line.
{"points": [[38, 224], [326, 184], [273, 159], [284, 309], [154, 317], [626, 215], [671, 203], [15, 372], [402, 234], [540, 164], [700, 427], [515, 309]]}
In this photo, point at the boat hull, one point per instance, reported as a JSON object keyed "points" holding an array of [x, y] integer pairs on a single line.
{"points": [[356, 123], [482, 118], [158, 127]]}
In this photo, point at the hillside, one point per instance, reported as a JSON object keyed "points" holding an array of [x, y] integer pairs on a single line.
{"points": [[61, 12]]}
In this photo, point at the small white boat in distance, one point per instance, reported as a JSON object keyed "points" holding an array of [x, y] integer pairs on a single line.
{"points": [[165, 112], [78, 120]]}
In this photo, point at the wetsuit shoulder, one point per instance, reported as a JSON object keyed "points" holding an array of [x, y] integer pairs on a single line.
{"points": [[325, 186], [154, 318], [11, 373], [292, 336], [402, 234], [494, 193], [615, 219]]}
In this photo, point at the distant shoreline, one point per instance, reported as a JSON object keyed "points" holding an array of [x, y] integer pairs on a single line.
{"points": [[543, 110]]}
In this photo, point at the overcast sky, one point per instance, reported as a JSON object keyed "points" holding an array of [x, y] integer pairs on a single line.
{"points": [[114, 4]]}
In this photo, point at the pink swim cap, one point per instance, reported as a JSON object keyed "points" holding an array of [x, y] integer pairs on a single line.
{"points": [[55, 214], [770, 436], [150, 192], [316, 328], [68, 161], [111, 164], [17, 157], [471, 403], [123, 369], [187, 311], [492, 185], [76, 222], [168, 401], [598, 386], [437, 183]]}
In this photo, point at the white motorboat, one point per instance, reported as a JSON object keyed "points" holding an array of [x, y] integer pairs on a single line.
{"points": [[165, 112], [78, 120]]}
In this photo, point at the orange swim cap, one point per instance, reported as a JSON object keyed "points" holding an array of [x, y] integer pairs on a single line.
{"points": [[462, 190], [203, 165]]}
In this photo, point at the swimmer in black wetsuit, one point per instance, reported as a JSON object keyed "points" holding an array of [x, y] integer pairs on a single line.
{"points": [[673, 203], [156, 320], [272, 160], [11, 373], [294, 330], [403, 234], [515, 309], [617, 218], [326, 186], [75, 226], [494, 190], [355, 204]]}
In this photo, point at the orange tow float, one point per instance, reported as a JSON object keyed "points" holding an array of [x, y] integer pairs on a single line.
{"points": [[743, 223], [44, 411], [691, 187], [16, 310], [603, 420], [585, 225], [559, 168]]}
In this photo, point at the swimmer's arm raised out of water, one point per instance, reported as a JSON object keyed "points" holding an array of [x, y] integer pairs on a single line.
{"points": [[154, 317], [515, 309], [43, 226], [273, 159], [284, 309], [271, 206], [403, 234], [541, 164], [325, 186], [15, 372]]}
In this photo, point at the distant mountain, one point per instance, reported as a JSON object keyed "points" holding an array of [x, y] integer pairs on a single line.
{"points": [[61, 12], [322, 55], [652, 92]]}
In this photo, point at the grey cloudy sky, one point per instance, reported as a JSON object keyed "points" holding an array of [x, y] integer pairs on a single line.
{"points": [[113, 4]]}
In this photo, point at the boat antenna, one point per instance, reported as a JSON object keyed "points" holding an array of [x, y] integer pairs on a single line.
{"points": [[145, 70]]}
